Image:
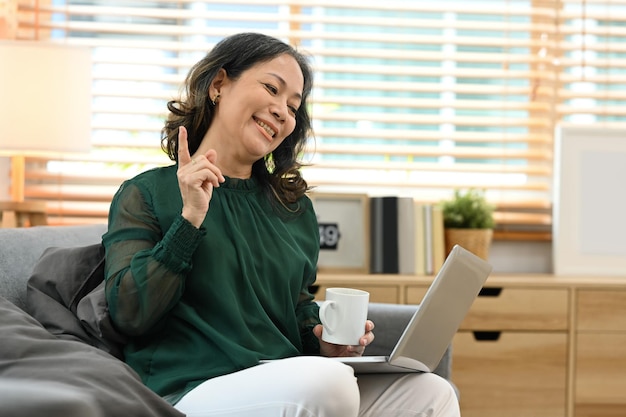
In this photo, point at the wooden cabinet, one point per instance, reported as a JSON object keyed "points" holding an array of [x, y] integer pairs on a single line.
{"points": [[531, 345], [509, 373], [600, 358], [511, 353]]}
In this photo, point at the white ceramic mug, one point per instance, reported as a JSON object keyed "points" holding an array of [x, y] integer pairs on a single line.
{"points": [[343, 315]]}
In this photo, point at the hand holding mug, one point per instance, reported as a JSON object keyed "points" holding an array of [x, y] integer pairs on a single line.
{"points": [[344, 322]]}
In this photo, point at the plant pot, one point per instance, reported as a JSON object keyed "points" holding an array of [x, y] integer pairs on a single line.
{"points": [[477, 241]]}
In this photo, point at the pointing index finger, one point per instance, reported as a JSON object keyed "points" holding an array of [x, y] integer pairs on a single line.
{"points": [[183, 147]]}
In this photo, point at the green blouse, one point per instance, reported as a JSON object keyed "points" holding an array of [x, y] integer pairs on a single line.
{"points": [[199, 303]]}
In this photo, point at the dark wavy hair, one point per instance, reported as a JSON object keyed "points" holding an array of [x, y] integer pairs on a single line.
{"points": [[194, 110]]}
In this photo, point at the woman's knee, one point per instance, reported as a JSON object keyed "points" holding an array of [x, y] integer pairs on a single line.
{"points": [[439, 394], [329, 384], [415, 394], [295, 387]]}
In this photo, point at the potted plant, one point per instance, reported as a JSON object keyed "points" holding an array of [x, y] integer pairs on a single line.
{"points": [[468, 221]]}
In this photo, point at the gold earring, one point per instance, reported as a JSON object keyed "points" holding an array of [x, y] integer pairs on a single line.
{"points": [[269, 163], [215, 100]]}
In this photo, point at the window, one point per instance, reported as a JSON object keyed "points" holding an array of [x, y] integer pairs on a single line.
{"points": [[411, 98]]}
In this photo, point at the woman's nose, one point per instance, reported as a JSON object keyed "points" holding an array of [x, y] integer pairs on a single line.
{"points": [[279, 111]]}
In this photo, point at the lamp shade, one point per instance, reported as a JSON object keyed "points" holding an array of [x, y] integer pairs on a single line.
{"points": [[45, 97]]}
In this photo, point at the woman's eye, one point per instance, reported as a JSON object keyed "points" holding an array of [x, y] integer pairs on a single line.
{"points": [[274, 90]]}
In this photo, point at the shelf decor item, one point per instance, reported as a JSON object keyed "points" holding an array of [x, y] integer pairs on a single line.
{"points": [[468, 222], [588, 222], [344, 224]]}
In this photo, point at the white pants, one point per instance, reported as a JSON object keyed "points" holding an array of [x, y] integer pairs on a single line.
{"points": [[320, 387]]}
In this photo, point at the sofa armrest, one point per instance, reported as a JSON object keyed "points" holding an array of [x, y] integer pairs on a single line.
{"points": [[390, 321]]}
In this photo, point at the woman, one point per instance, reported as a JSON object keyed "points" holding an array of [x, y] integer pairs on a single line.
{"points": [[208, 261]]}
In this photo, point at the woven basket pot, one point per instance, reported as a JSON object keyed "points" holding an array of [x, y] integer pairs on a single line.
{"points": [[477, 241]]}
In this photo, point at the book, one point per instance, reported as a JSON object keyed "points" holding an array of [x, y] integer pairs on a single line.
{"points": [[428, 239], [407, 245], [420, 239], [438, 241], [384, 235], [376, 232]]}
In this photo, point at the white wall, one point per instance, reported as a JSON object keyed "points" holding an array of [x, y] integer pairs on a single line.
{"points": [[521, 257]]}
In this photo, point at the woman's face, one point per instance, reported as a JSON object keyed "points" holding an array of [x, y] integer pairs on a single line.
{"points": [[256, 112]]}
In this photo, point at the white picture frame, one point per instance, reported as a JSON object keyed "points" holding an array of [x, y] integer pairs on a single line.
{"points": [[349, 213], [589, 211]]}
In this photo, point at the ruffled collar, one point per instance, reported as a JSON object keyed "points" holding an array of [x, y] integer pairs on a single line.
{"points": [[241, 184]]}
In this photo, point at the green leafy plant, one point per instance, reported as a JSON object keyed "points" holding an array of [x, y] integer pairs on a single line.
{"points": [[468, 210]]}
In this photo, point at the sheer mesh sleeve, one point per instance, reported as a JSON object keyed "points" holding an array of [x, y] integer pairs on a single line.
{"points": [[307, 312], [145, 266]]}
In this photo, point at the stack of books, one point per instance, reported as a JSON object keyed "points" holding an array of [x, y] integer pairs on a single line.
{"points": [[407, 236]]}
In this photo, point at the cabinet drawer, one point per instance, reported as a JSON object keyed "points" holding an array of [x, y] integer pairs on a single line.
{"points": [[378, 293], [414, 294], [600, 373], [600, 310], [519, 374], [498, 308]]}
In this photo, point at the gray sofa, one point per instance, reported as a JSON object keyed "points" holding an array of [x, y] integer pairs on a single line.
{"points": [[21, 248]]}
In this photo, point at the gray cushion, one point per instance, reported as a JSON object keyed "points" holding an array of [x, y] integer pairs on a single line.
{"points": [[66, 295], [110, 387]]}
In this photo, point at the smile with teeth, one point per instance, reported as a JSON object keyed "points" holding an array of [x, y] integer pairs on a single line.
{"points": [[265, 127]]}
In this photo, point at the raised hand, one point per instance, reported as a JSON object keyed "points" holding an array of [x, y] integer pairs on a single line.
{"points": [[196, 179]]}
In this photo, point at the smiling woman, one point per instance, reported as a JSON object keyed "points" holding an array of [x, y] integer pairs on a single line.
{"points": [[209, 261], [264, 99], [252, 93]]}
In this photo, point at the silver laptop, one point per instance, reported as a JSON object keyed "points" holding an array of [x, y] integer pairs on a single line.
{"points": [[437, 319]]}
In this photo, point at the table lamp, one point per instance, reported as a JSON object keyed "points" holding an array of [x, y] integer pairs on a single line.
{"points": [[45, 103]]}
